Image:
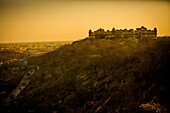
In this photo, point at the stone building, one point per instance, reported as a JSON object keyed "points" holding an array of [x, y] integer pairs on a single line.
{"points": [[138, 33]]}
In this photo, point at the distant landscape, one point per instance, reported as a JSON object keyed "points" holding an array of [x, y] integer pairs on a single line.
{"points": [[12, 52]]}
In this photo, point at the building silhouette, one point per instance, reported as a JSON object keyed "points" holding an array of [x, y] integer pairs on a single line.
{"points": [[138, 33]]}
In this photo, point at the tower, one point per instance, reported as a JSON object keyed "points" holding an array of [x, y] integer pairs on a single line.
{"points": [[90, 32], [155, 30]]}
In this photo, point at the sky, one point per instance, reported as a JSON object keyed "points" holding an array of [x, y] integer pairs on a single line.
{"points": [[62, 20]]}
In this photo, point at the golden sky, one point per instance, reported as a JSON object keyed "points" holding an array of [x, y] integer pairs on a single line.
{"points": [[60, 20]]}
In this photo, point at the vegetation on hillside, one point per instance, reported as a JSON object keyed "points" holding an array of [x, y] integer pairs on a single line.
{"points": [[100, 75]]}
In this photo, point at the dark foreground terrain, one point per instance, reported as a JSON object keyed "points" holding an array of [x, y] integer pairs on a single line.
{"points": [[98, 76]]}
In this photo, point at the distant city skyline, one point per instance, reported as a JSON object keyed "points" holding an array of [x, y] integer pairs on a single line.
{"points": [[56, 20]]}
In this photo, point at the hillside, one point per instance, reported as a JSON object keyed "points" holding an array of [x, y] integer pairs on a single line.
{"points": [[99, 75]]}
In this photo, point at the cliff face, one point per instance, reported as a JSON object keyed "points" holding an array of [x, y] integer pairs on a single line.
{"points": [[99, 75]]}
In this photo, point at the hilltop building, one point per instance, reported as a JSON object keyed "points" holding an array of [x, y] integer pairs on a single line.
{"points": [[138, 33]]}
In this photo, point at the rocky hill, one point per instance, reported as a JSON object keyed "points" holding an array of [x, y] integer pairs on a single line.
{"points": [[99, 76]]}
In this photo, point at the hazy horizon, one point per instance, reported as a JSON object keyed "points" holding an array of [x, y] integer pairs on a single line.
{"points": [[35, 42], [70, 20]]}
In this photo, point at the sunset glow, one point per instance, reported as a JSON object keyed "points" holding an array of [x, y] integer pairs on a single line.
{"points": [[45, 20]]}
